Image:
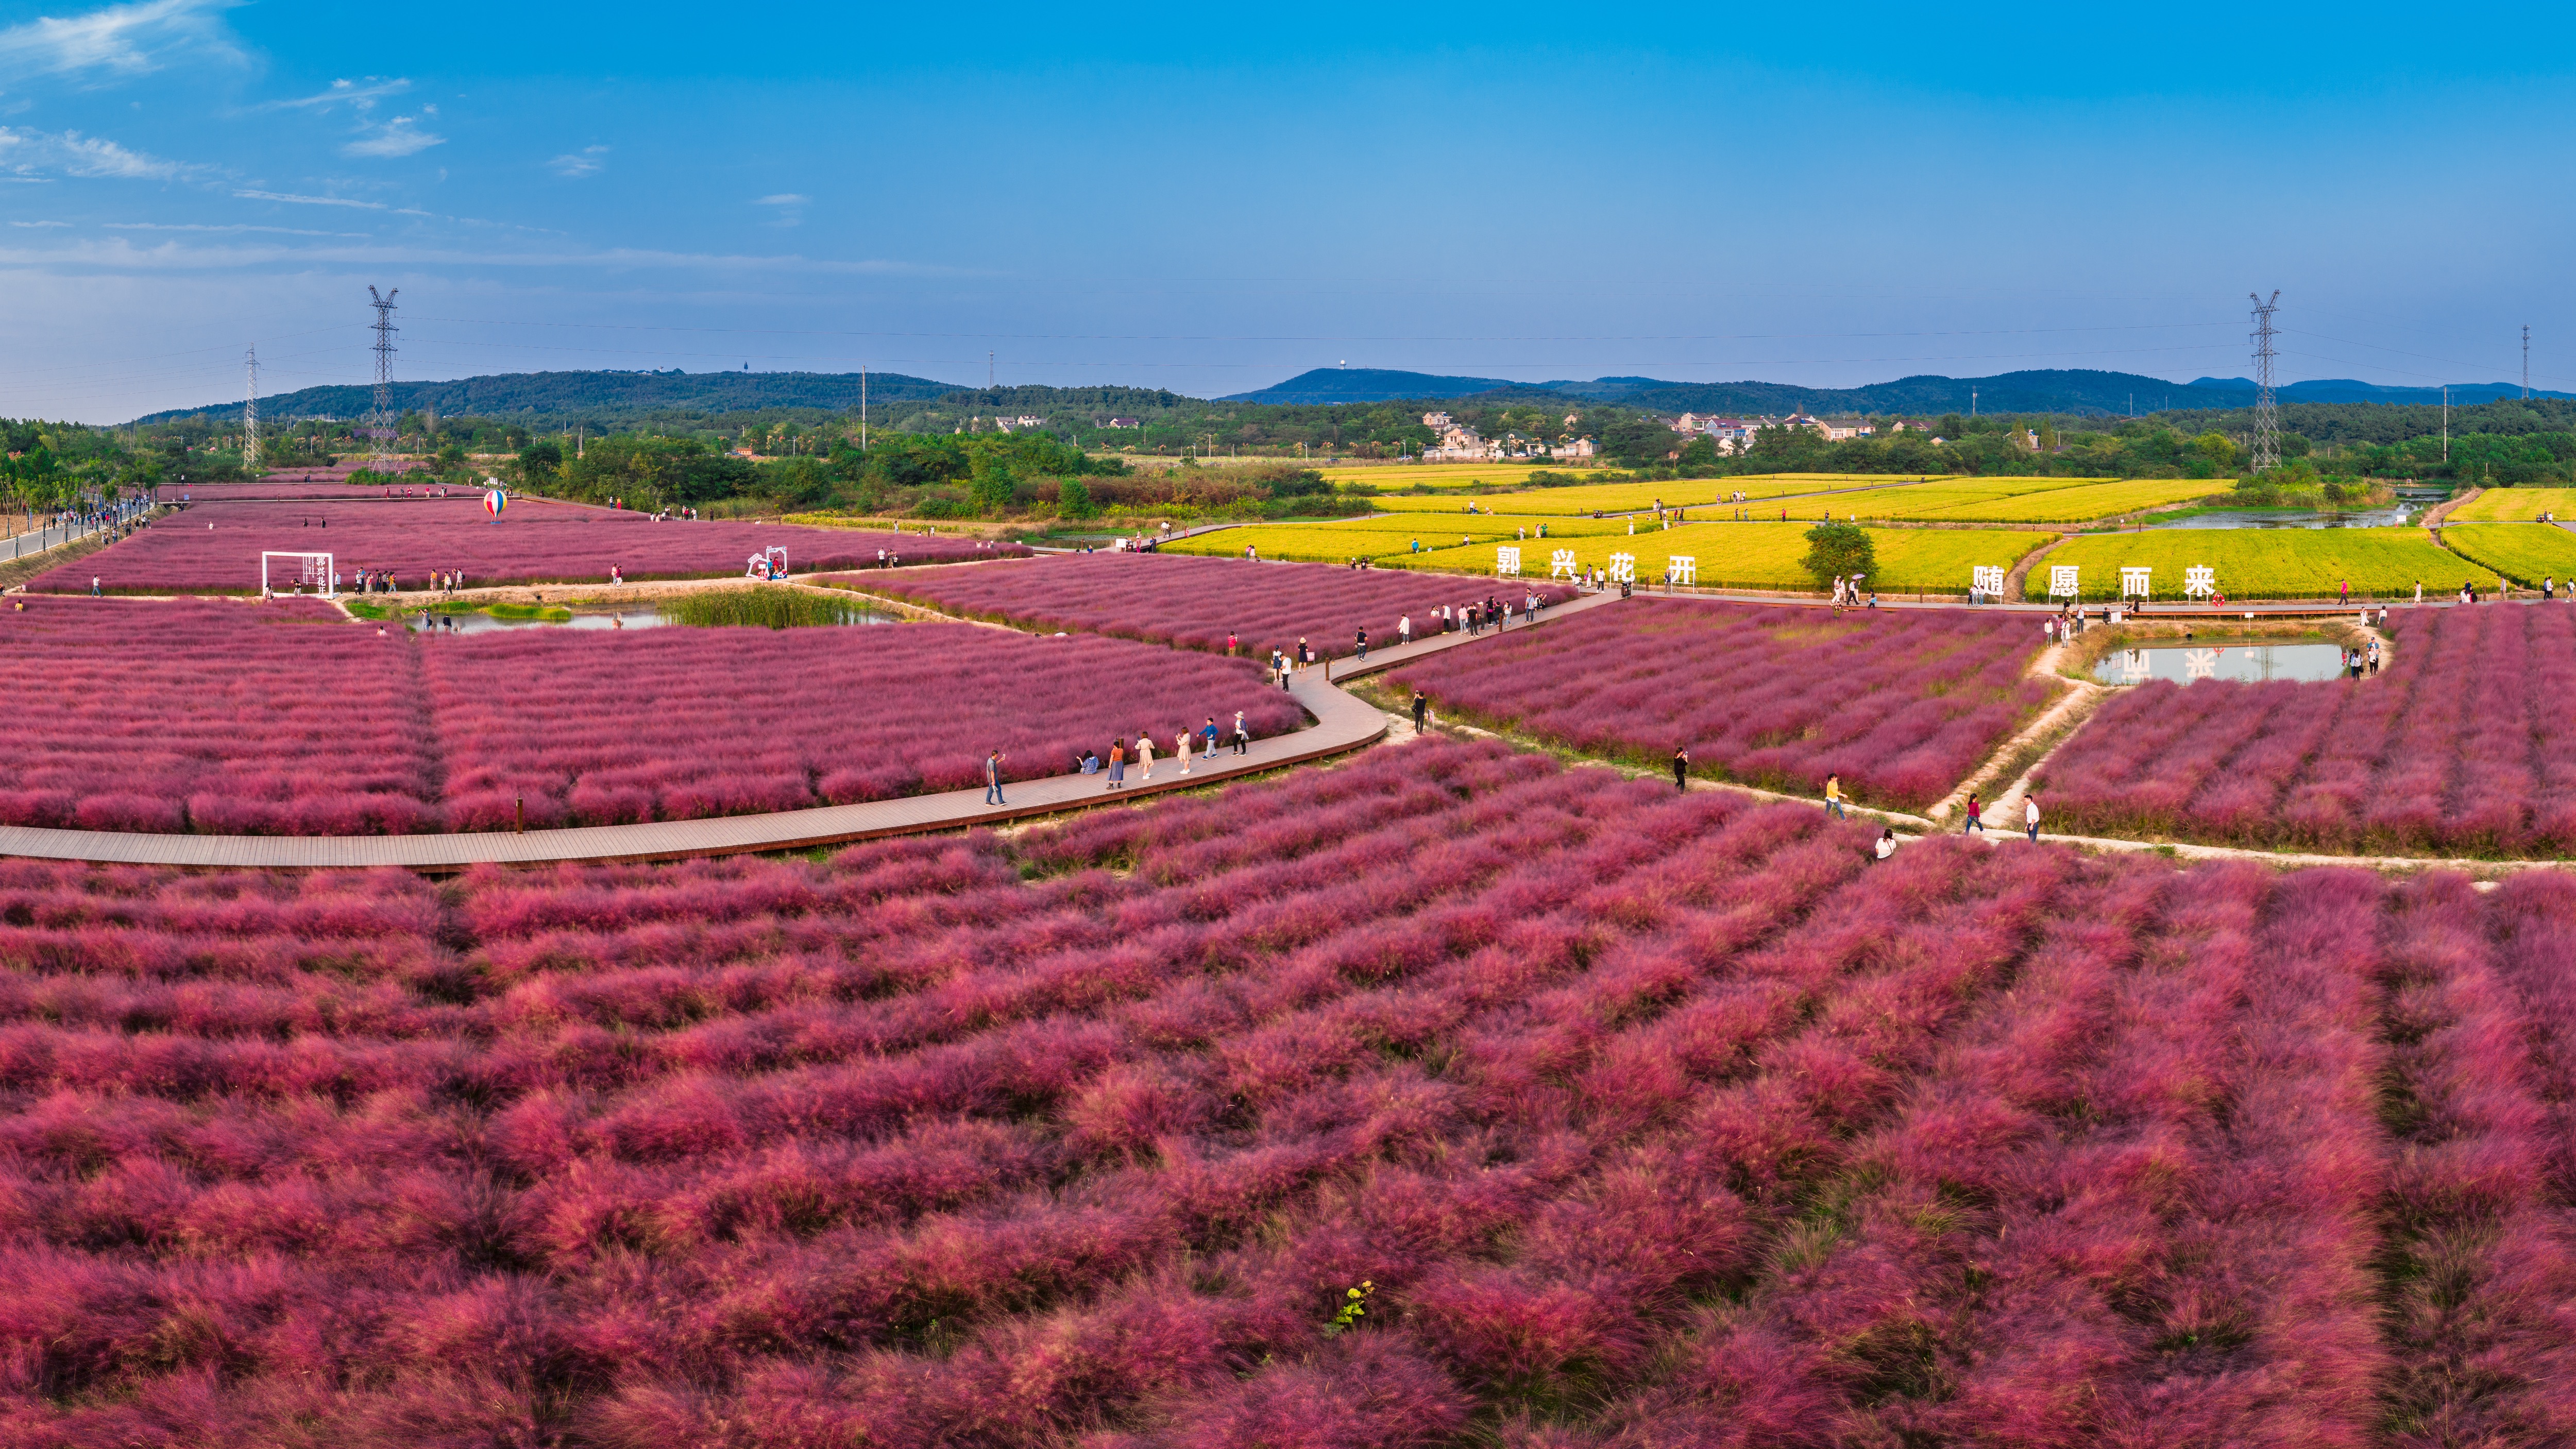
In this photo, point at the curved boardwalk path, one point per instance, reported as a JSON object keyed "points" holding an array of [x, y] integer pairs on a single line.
{"points": [[1342, 724]]}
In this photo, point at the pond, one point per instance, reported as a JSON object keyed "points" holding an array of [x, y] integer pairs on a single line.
{"points": [[2409, 508], [2253, 660]]}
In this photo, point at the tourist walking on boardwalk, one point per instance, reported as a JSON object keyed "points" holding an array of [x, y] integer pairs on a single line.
{"points": [[1207, 745], [1242, 736], [1976, 817], [2030, 816], [1404, 630], [1363, 646], [1834, 797], [1145, 751], [1117, 764], [1681, 767], [1181, 750], [1421, 707], [1305, 656], [993, 778]]}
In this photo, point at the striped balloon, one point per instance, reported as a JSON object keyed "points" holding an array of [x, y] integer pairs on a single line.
{"points": [[495, 501]]}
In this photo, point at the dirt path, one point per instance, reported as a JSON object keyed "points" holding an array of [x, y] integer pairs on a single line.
{"points": [[2036, 741], [2021, 571], [2442, 510]]}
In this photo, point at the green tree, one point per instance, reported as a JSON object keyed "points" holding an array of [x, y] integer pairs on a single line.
{"points": [[1073, 499], [993, 485], [1839, 550]]}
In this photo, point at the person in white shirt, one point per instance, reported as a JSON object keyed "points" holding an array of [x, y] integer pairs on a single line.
{"points": [[1886, 844], [2030, 816]]}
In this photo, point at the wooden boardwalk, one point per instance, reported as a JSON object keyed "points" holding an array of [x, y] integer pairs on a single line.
{"points": [[1342, 724]]}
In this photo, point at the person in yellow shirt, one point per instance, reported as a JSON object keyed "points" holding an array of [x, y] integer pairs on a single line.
{"points": [[1834, 797]]}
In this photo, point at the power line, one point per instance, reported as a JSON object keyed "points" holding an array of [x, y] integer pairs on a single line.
{"points": [[250, 411], [380, 422], [2267, 412]]}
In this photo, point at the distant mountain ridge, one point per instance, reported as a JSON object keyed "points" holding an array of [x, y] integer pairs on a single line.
{"points": [[2347, 390], [565, 394], [2059, 390]]}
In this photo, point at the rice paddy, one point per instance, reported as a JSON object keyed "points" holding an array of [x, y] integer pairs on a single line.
{"points": [[2509, 505], [2263, 563], [1757, 555], [2525, 553]]}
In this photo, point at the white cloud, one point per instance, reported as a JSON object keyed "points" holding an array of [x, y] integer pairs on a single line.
{"points": [[400, 136], [356, 95], [29, 153], [203, 226], [124, 40], [40, 223], [584, 162], [791, 208], [312, 200]]}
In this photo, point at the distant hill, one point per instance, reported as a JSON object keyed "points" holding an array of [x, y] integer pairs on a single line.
{"points": [[594, 394], [2346, 390], [2060, 391], [1370, 384]]}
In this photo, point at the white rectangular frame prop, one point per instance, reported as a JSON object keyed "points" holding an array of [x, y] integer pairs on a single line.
{"points": [[328, 579]]}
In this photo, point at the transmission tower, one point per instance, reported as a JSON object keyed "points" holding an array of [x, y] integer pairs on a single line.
{"points": [[250, 412], [380, 421], [2267, 412], [2526, 362]]}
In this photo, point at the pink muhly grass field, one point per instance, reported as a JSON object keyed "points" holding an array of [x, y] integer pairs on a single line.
{"points": [[1657, 1118], [214, 548], [1194, 602], [1902, 703], [677, 723], [2465, 742], [284, 718], [276, 719]]}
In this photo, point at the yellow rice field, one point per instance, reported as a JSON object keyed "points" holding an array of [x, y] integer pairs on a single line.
{"points": [[2515, 505], [2078, 505], [1758, 555], [1343, 540]]}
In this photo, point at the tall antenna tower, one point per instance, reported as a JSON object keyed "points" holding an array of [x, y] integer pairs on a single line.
{"points": [[380, 421], [2267, 412], [250, 411], [2526, 362]]}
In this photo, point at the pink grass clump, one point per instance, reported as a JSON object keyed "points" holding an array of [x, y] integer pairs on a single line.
{"points": [[284, 718], [1901, 703], [1196, 603], [2465, 744], [1635, 1117], [214, 547]]}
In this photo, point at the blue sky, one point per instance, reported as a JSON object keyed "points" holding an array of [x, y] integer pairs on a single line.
{"points": [[1211, 202]]}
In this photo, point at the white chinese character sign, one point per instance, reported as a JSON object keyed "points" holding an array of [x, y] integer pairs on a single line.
{"points": [[2061, 581], [1560, 564], [1682, 568], [2200, 581], [1987, 581], [1507, 561], [2133, 583], [1623, 568]]}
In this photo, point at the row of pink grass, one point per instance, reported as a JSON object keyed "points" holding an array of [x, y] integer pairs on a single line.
{"points": [[1195, 603], [216, 547], [1649, 1119], [1901, 704], [2466, 742], [285, 719]]}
